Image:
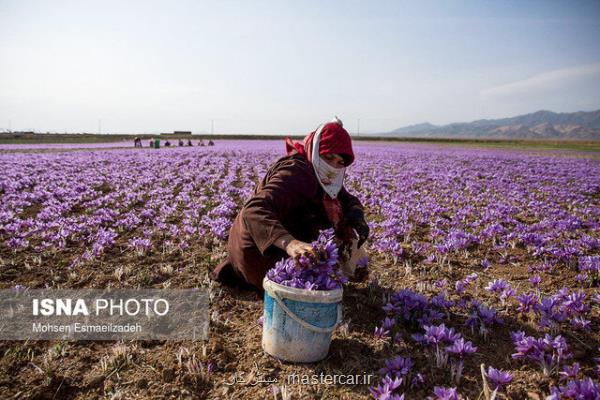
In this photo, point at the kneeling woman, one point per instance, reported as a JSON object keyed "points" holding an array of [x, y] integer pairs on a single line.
{"points": [[300, 194]]}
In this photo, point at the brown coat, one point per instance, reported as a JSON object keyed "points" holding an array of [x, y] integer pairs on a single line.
{"points": [[286, 204]]}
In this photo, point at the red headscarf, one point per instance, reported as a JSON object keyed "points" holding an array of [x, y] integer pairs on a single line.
{"points": [[334, 140]]}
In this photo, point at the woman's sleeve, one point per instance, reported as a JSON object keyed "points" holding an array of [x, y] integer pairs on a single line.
{"points": [[348, 200], [262, 214]]}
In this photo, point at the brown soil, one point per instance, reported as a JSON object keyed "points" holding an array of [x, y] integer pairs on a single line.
{"points": [[34, 370]]}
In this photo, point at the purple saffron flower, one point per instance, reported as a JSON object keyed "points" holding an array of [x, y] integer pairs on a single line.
{"points": [[507, 293], [440, 284], [581, 324], [18, 289], [569, 372], [535, 281], [381, 333], [527, 302], [498, 378], [585, 389], [388, 323], [385, 391], [397, 367], [440, 301], [497, 286], [440, 334], [548, 352], [417, 380], [304, 273], [210, 368], [436, 336], [458, 351], [460, 348], [443, 393], [483, 318], [459, 286], [471, 278]]}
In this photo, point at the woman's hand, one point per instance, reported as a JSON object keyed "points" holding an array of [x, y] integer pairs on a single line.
{"points": [[356, 219], [360, 275], [297, 248]]}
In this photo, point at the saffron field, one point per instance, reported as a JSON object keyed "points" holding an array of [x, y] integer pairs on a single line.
{"points": [[484, 271]]}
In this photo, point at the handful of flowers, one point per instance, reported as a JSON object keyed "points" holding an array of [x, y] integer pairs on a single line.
{"points": [[304, 273]]}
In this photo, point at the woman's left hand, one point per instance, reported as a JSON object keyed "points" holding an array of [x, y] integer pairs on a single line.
{"points": [[356, 220]]}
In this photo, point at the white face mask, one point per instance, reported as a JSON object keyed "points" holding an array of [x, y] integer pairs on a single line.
{"points": [[331, 179]]}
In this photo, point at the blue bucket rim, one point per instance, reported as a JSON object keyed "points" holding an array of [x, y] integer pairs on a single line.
{"points": [[309, 296]]}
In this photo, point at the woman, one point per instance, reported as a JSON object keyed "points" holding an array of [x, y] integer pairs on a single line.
{"points": [[300, 194]]}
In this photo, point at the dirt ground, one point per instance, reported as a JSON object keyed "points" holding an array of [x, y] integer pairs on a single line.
{"points": [[150, 369]]}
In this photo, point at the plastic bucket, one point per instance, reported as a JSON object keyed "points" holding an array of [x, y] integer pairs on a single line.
{"points": [[298, 323]]}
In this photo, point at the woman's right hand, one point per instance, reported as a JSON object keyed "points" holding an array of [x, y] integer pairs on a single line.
{"points": [[297, 248]]}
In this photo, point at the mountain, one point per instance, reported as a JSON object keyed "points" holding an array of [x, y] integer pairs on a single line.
{"points": [[424, 127], [538, 125]]}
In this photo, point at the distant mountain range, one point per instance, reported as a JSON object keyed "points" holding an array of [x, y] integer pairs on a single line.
{"points": [[537, 125]]}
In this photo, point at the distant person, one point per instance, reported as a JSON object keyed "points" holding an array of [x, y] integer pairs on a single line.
{"points": [[299, 195], [180, 143], [152, 143], [167, 144], [200, 142], [157, 143], [137, 142], [211, 143], [189, 143]]}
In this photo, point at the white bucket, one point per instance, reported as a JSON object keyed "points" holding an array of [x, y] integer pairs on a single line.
{"points": [[298, 323]]}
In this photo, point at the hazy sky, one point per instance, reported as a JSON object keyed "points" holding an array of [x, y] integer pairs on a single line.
{"points": [[282, 67]]}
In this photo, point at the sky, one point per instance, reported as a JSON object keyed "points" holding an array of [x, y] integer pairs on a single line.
{"points": [[284, 67]]}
